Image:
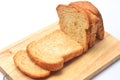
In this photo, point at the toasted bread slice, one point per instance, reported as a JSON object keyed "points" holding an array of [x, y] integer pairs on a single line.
{"points": [[51, 51], [28, 67]]}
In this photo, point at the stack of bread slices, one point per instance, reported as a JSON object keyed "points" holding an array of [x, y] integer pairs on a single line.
{"points": [[80, 25]]}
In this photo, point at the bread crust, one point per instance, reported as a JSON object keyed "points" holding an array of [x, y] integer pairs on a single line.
{"points": [[29, 68]]}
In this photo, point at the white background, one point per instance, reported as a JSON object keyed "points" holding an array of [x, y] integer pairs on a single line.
{"points": [[20, 18]]}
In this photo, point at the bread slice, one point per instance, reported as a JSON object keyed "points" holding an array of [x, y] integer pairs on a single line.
{"points": [[28, 67], [75, 22], [90, 7], [51, 51]]}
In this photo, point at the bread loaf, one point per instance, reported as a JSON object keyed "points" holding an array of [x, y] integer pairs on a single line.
{"points": [[51, 51], [28, 67], [81, 12]]}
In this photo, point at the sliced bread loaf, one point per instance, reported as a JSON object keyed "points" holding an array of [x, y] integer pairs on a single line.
{"points": [[51, 51], [80, 24], [67, 21], [28, 67]]}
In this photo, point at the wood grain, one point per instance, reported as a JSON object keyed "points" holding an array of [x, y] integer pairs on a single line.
{"points": [[84, 67]]}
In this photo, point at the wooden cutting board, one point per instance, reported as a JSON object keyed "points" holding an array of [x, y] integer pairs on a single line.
{"points": [[84, 67]]}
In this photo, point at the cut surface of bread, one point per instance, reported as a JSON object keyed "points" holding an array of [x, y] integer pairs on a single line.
{"points": [[28, 67], [51, 51], [75, 22]]}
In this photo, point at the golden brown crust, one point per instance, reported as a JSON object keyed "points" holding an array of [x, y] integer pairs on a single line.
{"points": [[93, 30], [26, 66], [86, 5]]}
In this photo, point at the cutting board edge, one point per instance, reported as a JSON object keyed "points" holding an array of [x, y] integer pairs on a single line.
{"points": [[5, 75]]}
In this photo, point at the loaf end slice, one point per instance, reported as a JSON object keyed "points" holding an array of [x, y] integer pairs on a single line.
{"points": [[28, 67], [51, 51]]}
